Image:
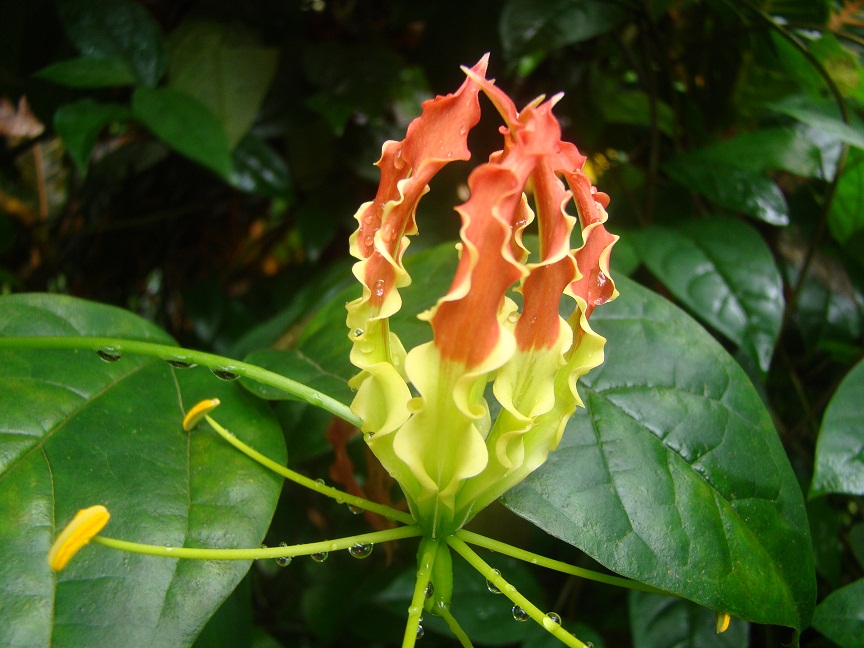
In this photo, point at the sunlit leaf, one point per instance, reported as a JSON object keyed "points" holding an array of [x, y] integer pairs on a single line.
{"points": [[224, 67]]}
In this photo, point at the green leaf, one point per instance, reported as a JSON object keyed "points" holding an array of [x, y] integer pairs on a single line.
{"points": [[846, 215], [662, 621], [674, 474], [122, 31], [840, 447], [301, 368], [634, 108], [840, 617], [815, 11], [88, 73], [731, 186], [258, 169], [78, 431], [222, 66], [721, 270], [186, 125], [79, 124], [528, 25], [822, 115]]}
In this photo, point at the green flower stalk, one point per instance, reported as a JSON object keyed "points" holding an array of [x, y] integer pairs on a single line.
{"points": [[441, 445]]}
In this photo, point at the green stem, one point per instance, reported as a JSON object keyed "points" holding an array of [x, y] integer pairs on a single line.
{"points": [[536, 559], [426, 558], [455, 628], [334, 493], [399, 533], [513, 594], [167, 352]]}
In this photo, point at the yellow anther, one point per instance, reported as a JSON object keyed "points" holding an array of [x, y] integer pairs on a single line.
{"points": [[723, 620], [198, 412], [86, 524]]}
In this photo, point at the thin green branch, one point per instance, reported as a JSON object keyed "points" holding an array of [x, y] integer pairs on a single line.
{"points": [[542, 561], [455, 628], [426, 558], [547, 622], [179, 354], [325, 546], [334, 493]]}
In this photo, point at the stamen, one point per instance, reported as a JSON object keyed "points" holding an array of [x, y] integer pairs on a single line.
{"points": [[86, 524]]}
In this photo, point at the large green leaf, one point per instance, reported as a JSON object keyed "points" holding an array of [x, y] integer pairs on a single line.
{"points": [[80, 123], [88, 73], [722, 270], [78, 431], [117, 30], [186, 125], [731, 186], [666, 622], [527, 26], [223, 67], [822, 115], [840, 446], [840, 617], [846, 216], [674, 475]]}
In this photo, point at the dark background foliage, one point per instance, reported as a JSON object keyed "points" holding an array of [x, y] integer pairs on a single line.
{"points": [[201, 162]]}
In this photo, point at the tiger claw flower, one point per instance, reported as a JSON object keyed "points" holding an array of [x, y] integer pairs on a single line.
{"points": [[441, 444]]}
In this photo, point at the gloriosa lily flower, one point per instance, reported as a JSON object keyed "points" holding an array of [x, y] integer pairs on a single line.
{"points": [[441, 445]]}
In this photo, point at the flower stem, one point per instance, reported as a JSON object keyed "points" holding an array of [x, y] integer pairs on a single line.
{"points": [[334, 493], [557, 565], [455, 628], [167, 352], [552, 627], [426, 558], [399, 533]]}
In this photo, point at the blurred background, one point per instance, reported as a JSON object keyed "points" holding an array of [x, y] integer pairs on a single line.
{"points": [[200, 163]]}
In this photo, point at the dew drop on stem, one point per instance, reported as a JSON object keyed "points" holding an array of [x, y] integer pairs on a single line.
{"points": [[519, 614], [109, 354], [224, 374], [283, 561], [320, 556], [360, 550], [491, 586]]}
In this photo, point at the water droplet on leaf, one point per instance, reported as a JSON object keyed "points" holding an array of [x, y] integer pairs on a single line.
{"points": [[360, 550], [109, 354], [519, 614]]}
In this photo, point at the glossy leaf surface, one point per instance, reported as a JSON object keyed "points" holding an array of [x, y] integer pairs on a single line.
{"points": [[674, 474], [840, 446], [721, 270], [78, 431]]}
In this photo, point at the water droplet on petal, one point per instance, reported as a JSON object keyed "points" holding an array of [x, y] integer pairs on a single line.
{"points": [[224, 373], [491, 586], [360, 550], [320, 557], [109, 354], [519, 614], [355, 510], [357, 333], [462, 130], [430, 590], [283, 561], [368, 436], [378, 288], [369, 240]]}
